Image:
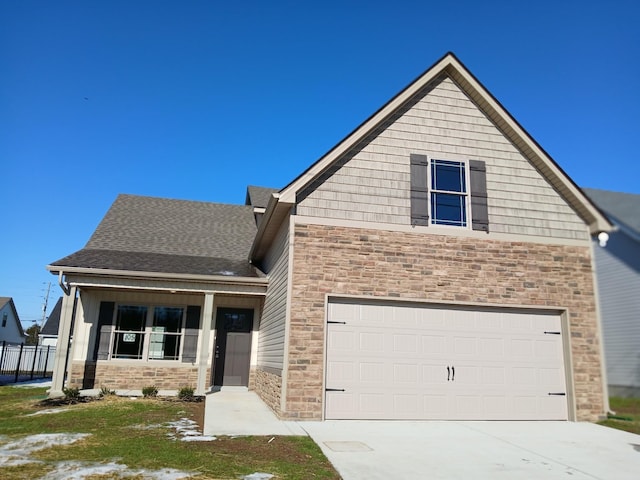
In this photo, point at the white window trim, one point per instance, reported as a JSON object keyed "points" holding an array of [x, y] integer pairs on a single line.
{"points": [[148, 330], [466, 194]]}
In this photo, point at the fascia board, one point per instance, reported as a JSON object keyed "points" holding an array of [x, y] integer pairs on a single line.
{"points": [[274, 213], [158, 275]]}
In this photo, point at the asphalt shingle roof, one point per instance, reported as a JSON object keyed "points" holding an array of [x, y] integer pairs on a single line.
{"points": [[50, 327], [620, 207], [171, 236], [259, 196]]}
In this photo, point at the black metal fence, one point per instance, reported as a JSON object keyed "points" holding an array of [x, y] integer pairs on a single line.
{"points": [[25, 362]]}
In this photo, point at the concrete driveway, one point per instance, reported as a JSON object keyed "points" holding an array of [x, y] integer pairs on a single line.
{"points": [[372, 450]]}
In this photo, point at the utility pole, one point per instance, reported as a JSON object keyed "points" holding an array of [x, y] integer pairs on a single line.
{"points": [[45, 303]]}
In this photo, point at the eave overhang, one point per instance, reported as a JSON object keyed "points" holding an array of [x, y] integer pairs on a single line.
{"points": [[121, 276], [277, 210]]}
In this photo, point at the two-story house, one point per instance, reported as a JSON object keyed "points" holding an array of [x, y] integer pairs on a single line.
{"points": [[435, 264]]}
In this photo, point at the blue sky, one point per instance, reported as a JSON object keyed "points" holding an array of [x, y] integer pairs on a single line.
{"points": [[198, 99]]}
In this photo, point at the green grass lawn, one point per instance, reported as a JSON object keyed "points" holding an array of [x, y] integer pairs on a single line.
{"points": [[627, 415], [134, 433]]}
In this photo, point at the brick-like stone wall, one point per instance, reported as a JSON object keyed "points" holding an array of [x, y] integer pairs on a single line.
{"points": [[127, 377], [269, 387], [351, 261]]}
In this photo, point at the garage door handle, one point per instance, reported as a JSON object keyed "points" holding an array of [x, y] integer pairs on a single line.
{"points": [[334, 389], [448, 374], [453, 373], [559, 394]]}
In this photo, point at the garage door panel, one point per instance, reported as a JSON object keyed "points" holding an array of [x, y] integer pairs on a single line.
{"points": [[392, 362]]}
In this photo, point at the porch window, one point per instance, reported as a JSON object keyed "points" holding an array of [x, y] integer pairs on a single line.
{"points": [[148, 332], [166, 333]]}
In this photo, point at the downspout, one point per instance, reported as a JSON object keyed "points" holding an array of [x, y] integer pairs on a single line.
{"points": [[63, 285]]}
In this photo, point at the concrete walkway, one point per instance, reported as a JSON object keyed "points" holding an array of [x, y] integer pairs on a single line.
{"points": [[237, 411]]}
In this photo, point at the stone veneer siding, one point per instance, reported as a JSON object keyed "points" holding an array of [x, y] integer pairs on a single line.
{"points": [[269, 387], [128, 377], [375, 263]]}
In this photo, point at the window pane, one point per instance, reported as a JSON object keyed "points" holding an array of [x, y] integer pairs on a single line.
{"points": [[170, 318], [128, 345], [131, 318], [129, 335], [164, 343], [447, 209], [448, 176], [237, 321]]}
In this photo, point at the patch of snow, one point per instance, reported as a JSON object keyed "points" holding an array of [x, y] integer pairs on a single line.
{"points": [[48, 411], [258, 476], [188, 431], [199, 438], [17, 452], [81, 470]]}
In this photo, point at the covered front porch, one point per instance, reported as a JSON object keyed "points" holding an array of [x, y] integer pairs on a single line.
{"points": [[129, 330]]}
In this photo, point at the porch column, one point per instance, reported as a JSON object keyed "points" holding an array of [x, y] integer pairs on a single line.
{"points": [[207, 318], [62, 347]]}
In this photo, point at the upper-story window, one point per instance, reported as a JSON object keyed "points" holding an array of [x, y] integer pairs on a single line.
{"points": [[448, 199], [4, 319], [449, 192]]}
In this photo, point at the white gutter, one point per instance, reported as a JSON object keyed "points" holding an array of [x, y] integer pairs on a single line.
{"points": [[156, 275], [63, 285]]}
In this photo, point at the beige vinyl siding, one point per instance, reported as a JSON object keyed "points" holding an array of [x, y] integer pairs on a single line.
{"points": [[374, 185], [88, 308], [272, 323]]}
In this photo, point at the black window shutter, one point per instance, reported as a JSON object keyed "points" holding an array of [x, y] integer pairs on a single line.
{"points": [[191, 331], [105, 322], [419, 190], [479, 209]]}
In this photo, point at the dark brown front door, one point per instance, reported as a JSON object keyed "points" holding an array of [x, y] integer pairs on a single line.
{"points": [[233, 347]]}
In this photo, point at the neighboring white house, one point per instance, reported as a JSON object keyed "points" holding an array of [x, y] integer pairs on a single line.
{"points": [[618, 278], [10, 328]]}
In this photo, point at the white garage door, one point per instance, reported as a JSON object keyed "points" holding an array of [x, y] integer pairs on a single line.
{"points": [[443, 362]]}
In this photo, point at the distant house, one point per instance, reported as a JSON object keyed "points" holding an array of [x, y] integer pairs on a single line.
{"points": [[618, 278], [49, 333], [10, 327], [435, 264]]}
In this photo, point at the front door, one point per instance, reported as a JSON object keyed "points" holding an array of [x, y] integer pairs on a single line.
{"points": [[233, 347]]}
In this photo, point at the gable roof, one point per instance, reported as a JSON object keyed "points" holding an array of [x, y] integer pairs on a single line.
{"points": [[50, 327], [450, 66], [622, 208], [149, 234], [4, 301]]}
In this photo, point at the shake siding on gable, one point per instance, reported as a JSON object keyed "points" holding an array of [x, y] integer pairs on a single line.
{"points": [[374, 185], [272, 324]]}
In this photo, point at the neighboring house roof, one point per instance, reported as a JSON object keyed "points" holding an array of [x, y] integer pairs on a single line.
{"points": [[258, 197], [623, 209], [148, 234], [9, 300], [50, 327], [450, 66]]}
